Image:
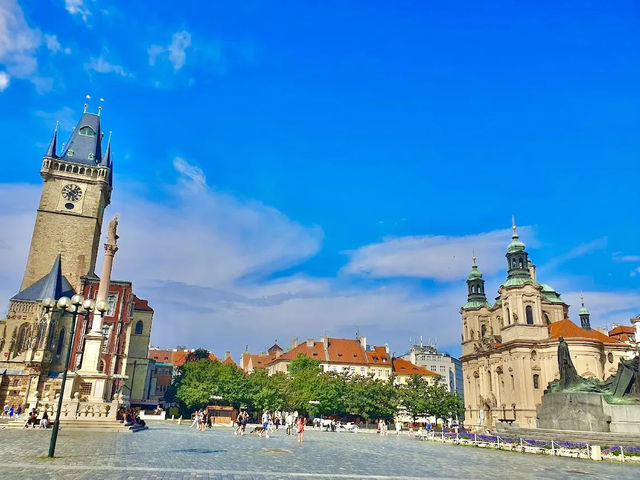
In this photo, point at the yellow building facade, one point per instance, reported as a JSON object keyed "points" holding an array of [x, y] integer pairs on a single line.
{"points": [[509, 349]]}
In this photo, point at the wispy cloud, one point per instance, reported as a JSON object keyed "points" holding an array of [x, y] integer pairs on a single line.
{"points": [[18, 42], [606, 307], [52, 43], [79, 8], [439, 257], [191, 175], [101, 65], [4, 81], [579, 251], [175, 52]]}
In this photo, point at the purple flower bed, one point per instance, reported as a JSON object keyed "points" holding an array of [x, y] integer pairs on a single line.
{"points": [[615, 450]]}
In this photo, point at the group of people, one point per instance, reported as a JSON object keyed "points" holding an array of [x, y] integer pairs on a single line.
{"points": [[201, 420], [241, 421], [129, 417], [34, 421], [11, 411], [270, 422]]}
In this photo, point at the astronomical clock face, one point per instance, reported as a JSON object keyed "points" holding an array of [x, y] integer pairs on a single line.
{"points": [[72, 192]]}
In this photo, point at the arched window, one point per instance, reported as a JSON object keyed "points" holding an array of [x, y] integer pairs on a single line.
{"points": [[529, 313], [101, 366], [60, 342], [508, 317], [87, 132], [520, 263], [139, 327], [513, 263], [536, 381], [546, 318], [483, 330]]}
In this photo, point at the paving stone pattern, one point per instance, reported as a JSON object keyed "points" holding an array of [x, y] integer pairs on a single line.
{"points": [[170, 451]]}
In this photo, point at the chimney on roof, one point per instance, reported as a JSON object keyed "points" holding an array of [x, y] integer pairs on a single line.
{"points": [[310, 342], [227, 355], [363, 342], [325, 342], [386, 348], [294, 343]]}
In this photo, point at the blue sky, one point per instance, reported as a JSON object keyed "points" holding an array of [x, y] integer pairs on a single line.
{"points": [[304, 168]]}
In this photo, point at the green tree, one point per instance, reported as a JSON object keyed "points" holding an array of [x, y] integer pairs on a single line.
{"points": [[413, 397], [197, 354]]}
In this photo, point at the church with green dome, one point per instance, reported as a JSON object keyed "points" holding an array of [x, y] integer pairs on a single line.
{"points": [[509, 348]]}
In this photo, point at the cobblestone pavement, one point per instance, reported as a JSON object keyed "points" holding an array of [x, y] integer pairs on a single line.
{"points": [[170, 451]]}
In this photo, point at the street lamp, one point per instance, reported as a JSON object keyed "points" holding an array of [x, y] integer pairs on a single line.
{"points": [[76, 305]]}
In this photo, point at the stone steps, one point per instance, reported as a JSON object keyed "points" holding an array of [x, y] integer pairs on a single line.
{"points": [[88, 424], [593, 438]]}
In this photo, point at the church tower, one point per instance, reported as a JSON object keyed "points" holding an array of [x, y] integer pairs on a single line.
{"points": [[76, 190]]}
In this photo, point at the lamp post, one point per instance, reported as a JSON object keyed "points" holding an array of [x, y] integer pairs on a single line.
{"points": [[76, 305]]}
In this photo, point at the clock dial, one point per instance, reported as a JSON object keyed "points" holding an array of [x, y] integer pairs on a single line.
{"points": [[72, 192]]}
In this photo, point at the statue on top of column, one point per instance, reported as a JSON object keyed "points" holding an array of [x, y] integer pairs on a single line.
{"points": [[112, 236]]}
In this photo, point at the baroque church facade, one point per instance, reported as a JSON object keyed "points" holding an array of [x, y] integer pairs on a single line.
{"points": [[77, 186], [509, 349]]}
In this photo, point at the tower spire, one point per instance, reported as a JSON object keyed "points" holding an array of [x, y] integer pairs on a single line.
{"points": [[53, 145], [584, 314], [475, 285]]}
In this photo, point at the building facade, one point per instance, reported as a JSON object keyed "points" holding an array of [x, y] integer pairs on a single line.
{"points": [[448, 367], [77, 186], [509, 349]]}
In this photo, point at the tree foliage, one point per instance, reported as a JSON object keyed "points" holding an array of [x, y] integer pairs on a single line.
{"points": [[310, 391]]}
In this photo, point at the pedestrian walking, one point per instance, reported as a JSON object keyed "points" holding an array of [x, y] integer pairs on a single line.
{"points": [[300, 430]]}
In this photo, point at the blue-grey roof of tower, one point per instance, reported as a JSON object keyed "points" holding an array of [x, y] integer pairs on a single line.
{"points": [[52, 285], [82, 148], [52, 151]]}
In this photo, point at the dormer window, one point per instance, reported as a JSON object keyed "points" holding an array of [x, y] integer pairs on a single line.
{"points": [[91, 156], [70, 153], [87, 132]]}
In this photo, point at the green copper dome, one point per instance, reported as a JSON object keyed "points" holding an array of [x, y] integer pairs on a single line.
{"points": [[516, 244], [474, 274]]}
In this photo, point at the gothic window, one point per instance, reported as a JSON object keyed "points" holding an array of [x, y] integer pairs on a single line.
{"points": [[139, 327], [87, 132], [536, 381], [23, 338], [60, 342], [529, 313]]}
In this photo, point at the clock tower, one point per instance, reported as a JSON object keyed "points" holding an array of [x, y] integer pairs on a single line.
{"points": [[76, 190]]}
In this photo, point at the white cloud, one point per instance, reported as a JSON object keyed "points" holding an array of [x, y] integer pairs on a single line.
{"points": [[18, 42], [4, 80], [175, 52], [606, 308], [101, 65], [78, 7], [193, 174], [52, 43], [579, 251], [440, 257]]}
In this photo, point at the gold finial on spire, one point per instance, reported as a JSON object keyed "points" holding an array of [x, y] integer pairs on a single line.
{"points": [[99, 110], [85, 107], [474, 257], [513, 223], [582, 299]]}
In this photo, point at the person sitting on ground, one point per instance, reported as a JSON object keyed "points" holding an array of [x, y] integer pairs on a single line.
{"points": [[44, 421]]}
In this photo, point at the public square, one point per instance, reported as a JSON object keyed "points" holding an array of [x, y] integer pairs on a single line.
{"points": [[171, 451]]}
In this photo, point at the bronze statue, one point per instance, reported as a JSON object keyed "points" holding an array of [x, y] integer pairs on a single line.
{"points": [[626, 381], [568, 373]]}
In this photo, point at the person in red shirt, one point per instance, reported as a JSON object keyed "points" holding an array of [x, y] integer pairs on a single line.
{"points": [[300, 430]]}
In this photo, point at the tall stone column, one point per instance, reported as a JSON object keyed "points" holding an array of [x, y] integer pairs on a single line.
{"points": [[90, 369]]}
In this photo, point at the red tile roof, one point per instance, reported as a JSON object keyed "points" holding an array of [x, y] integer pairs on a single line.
{"points": [[567, 329], [141, 304], [620, 329], [316, 351], [174, 357], [346, 350], [405, 367], [378, 356]]}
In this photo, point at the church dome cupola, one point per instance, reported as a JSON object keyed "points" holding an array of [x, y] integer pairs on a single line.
{"points": [[584, 315], [517, 259], [476, 296]]}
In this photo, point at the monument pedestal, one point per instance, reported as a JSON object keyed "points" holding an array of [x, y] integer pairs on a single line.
{"points": [[586, 412]]}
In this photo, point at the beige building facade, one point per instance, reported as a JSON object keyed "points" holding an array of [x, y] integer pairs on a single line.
{"points": [[509, 349]]}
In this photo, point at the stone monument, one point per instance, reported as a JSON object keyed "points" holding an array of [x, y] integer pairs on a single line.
{"points": [[587, 404]]}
